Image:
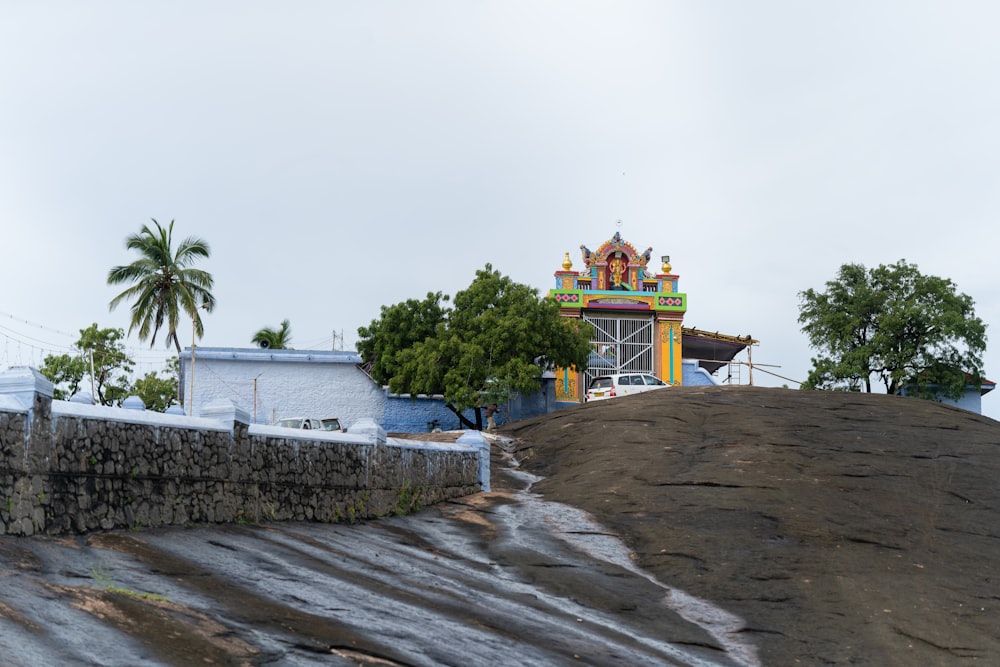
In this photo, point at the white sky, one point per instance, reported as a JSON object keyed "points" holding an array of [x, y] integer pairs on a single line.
{"points": [[339, 156]]}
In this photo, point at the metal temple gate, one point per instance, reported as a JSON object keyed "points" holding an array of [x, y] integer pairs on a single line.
{"points": [[622, 344]]}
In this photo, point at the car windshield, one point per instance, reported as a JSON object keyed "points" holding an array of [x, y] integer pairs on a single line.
{"points": [[600, 383], [331, 424], [290, 423]]}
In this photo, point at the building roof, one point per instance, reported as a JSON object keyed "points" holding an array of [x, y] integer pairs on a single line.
{"points": [[712, 350], [258, 354]]}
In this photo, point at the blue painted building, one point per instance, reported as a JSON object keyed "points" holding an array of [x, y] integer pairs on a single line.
{"points": [[971, 400]]}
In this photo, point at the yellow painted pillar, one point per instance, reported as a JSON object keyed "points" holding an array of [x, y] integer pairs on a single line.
{"points": [[567, 385], [671, 368]]}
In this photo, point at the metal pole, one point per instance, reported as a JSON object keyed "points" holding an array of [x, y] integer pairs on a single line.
{"points": [[191, 398], [194, 321]]}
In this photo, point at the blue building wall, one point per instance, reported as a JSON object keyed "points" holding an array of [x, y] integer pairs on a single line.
{"points": [[972, 400], [419, 414], [694, 375], [524, 407], [405, 414]]}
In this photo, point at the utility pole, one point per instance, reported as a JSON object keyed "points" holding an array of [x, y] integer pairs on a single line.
{"points": [[193, 322], [191, 398], [255, 397]]}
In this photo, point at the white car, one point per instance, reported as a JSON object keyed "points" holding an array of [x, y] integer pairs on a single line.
{"points": [[333, 424], [610, 386], [300, 422]]}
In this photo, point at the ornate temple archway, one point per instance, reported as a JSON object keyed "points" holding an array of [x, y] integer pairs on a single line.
{"points": [[636, 315]]}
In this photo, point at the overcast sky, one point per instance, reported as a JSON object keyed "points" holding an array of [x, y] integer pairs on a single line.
{"points": [[341, 156]]}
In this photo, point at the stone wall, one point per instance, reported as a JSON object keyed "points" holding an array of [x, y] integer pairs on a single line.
{"points": [[68, 467]]}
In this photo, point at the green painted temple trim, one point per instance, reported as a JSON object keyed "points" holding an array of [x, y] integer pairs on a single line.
{"points": [[604, 299], [568, 298]]}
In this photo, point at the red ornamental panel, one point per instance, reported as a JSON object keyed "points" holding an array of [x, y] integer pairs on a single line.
{"points": [[571, 297]]}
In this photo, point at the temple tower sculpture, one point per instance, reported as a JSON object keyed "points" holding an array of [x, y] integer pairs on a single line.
{"points": [[636, 314]]}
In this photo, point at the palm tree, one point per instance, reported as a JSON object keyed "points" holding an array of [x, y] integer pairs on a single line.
{"points": [[163, 284], [275, 339]]}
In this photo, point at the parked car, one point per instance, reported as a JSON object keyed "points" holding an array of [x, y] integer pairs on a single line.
{"points": [[610, 386], [300, 422], [332, 424]]}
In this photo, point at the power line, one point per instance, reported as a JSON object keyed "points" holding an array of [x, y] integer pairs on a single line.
{"points": [[19, 350], [24, 338], [35, 324]]}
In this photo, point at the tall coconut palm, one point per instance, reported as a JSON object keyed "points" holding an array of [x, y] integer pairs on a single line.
{"points": [[275, 339], [163, 284]]}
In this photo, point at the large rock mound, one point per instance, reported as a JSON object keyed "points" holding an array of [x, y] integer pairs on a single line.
{"points": [[843, 528]]}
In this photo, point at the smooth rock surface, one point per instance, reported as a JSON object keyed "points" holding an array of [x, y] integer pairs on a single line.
{"points": [[722, 526], [843, 528]]}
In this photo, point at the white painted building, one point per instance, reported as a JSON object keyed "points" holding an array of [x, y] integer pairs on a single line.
{"points": [[273, 384]]}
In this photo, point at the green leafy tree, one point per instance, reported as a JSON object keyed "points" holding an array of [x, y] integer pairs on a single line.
{"points": [[66, 372], [497, 339], [163, 283], [158, 390], [398, 328], [274, 339], [102, 355], [896, 326]]}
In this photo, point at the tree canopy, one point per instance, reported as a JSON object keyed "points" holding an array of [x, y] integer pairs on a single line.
{"points": [[497, 339], [399, 327], [274, 339], [158, 391], [101, 359], [896, 326], [163, 283]]}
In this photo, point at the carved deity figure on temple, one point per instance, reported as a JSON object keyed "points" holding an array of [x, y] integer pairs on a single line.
{"points": [[617, 268]]}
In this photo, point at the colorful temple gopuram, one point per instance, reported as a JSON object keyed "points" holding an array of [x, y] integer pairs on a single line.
{"points": [[636, 314]]}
